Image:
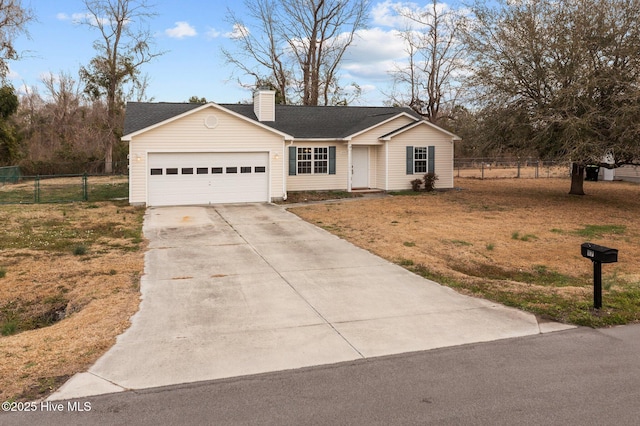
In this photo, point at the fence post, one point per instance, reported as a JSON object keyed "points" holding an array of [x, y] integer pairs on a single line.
{"points": [[85, 191], [36, 190], [518, 169], [537, 165], [482, 167]]}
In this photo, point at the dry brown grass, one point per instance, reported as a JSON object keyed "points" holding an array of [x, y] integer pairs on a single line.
{"points": [[96, 292], [503, 237]]}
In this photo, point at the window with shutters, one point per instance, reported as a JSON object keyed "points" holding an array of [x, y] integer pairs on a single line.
{"points": [[305, 161], [313, 160], [420, 159], [321, 160]]}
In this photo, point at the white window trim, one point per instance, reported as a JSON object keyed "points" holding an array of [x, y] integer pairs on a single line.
{"points": [[313, 160], [424, 160]]}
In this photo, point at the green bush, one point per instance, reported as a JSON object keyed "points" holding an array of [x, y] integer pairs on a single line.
{"points": [[79, 250]]}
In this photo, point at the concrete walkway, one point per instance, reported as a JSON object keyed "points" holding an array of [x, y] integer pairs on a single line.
{"points": [[243, 289]]}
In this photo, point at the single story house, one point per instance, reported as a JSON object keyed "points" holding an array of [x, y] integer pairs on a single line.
{"points": [[186, 153]]}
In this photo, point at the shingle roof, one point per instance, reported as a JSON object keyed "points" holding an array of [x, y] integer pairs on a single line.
{"points": [[301, 122]]}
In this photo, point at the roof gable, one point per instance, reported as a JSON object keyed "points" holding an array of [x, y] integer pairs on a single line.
{"points": [[410, 126]]}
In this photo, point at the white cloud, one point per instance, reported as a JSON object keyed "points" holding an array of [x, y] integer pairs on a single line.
{"points": [[213, 33], [11, 74], [392, 14], [375, 44], [181, 30], [238, 31], [373, 54], [79, 18]]}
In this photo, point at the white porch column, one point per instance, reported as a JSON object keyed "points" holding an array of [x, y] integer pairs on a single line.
{"points": [[349, 167]]}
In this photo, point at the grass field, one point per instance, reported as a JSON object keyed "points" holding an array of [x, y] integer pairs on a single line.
{"points": [[514, 241], [69, 282]]}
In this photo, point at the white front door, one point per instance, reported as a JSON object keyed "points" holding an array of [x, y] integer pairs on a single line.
{"points": [[359, 167]]}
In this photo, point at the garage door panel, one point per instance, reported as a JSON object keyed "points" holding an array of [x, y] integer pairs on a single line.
{"points": [[207, 178]]}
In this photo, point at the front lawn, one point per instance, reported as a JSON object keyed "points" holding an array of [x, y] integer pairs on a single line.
{"points": [[514, 241], [69, 282]]}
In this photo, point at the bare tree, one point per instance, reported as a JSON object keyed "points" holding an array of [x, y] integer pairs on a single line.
{"points": [[297, 45], [124, 45], [59, 129], [260, 53], [429, 82], [569, 71], [14, 18]]}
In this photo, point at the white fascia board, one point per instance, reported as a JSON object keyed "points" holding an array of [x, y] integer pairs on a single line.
{"points": [[294, 140], [200, 108], [388, 136], [402, 114]]}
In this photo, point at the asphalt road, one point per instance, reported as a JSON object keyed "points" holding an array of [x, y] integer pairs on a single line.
{"points": [[574, 377]]}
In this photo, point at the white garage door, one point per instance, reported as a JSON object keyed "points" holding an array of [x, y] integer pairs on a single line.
{"points": [[207, 178]]}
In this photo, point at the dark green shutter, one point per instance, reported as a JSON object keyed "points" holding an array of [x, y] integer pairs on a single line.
{"points": [[409, 160], [292, 160], [332, 160], [431, 160]]}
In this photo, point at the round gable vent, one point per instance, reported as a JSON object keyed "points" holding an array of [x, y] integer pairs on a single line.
{"points": [[211, 121]]}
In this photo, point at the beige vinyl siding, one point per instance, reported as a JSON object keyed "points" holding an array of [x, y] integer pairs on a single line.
{"points": [[381, 169], [320, 182], [189, 134], [420, 136], [265, 105], [373, 165], [628, 173], [372, 136]]}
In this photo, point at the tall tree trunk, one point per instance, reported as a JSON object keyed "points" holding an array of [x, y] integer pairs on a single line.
{"points": [[577, 179]]}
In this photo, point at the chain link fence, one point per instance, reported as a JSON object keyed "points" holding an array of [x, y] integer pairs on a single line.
{"points": [[492, 168], [63, 189]]}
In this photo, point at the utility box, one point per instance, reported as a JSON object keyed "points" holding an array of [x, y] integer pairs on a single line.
{"points": [[599, 253]]}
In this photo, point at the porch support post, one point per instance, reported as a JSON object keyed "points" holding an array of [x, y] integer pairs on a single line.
{"points": [[349, 167], [386, 165]]}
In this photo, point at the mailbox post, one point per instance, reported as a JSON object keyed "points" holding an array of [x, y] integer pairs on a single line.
{"points": [[598, 255]]}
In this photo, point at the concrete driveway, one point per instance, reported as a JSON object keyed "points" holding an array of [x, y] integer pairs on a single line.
{"points": [[234, 290]]}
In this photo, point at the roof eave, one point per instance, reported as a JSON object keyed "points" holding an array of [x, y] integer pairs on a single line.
{"points": [[383, 122], [403, 129], [128, 137]]}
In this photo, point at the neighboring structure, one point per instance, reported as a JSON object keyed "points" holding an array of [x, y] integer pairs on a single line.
{"points": [[628, 172], [181, 154]]}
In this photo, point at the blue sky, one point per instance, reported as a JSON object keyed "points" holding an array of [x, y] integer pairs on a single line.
{"points": [[192, 33]]}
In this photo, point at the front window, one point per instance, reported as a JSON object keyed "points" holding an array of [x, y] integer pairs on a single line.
{"points": [[313, 160], [304, 161], [321, 160], [420, 159]]}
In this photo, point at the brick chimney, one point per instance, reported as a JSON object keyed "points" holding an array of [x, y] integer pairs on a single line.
{"points": [[264, 104]]}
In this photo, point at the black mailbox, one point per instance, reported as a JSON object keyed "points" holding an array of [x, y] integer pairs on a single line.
{"points": [[599, 253]]}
